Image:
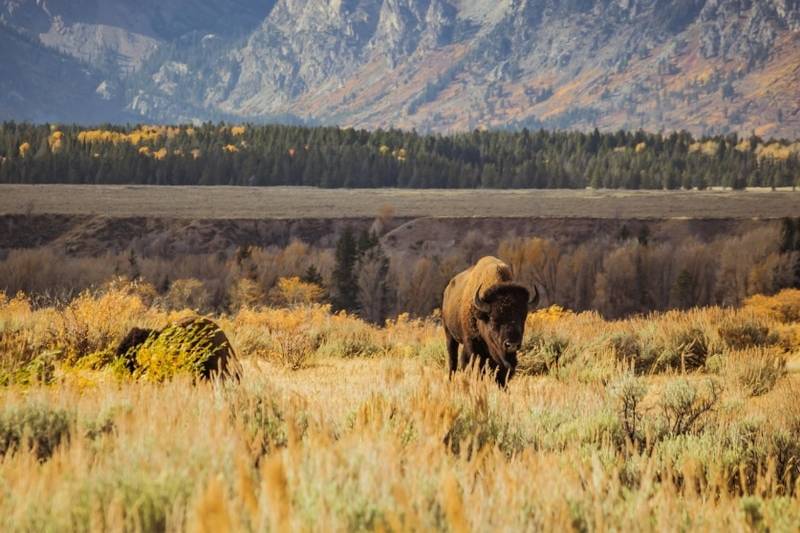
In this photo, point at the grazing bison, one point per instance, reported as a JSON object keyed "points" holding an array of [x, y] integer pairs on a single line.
{"points": [[195, 335], [485, 311]]}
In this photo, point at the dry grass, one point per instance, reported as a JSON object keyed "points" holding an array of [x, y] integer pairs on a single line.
{"points": [[381, 440], [305, 202]]}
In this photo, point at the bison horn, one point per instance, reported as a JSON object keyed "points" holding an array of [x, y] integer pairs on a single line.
{"points": [[479, 303], [534, 301]]}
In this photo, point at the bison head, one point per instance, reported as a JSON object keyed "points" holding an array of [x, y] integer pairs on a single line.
{"points": [[500, 317], [130, 344]]}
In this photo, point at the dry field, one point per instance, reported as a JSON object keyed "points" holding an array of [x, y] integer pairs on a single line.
{"points": [[306, 202], [683, 421]]}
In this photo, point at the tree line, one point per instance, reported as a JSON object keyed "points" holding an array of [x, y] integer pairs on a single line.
{"points": [[263, 155], [617, 275]]}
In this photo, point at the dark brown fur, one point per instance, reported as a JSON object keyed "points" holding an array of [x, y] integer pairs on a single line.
{"points": [[222, 361], [489, 337]]}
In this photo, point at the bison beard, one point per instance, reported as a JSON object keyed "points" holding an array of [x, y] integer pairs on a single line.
{"points": [[221, 362], [488, 324]]}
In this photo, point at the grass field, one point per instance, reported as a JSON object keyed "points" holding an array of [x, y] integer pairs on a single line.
{"points": [[683, 421], [305, 202]]}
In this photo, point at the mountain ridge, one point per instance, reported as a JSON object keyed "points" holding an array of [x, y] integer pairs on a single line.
{"points": [[705, 66]]}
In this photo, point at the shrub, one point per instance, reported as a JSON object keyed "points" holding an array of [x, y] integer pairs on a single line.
{"points": [[477, 425], [628, 393], [266, 424], [740, 334], [540, 353], [433, 352], [187, 293], [23, 367], [757, 369], [692, 345], [753, 512], [244, 293], [683, 407], [85, 326], [292, 291], [784, 306], [673, 346], [351, 342], [626, 348], [175, 351], [293, 349], [36, 427]]}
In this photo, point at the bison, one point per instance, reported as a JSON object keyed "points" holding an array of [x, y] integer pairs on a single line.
{"points": [[484, 311], [197, 335]]}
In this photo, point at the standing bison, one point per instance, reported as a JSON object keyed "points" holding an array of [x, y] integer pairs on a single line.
{"points": [[196, 338], [485, 311]]}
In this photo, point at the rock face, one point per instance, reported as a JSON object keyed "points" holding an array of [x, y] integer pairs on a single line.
{"points": [[707, 66]]}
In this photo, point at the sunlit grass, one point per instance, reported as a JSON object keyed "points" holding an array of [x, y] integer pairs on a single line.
{"points": [[613, 431]]}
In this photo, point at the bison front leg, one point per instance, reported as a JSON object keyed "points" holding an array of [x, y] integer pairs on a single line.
{"points": [[452, 352], [502, 375], [469, 353]]}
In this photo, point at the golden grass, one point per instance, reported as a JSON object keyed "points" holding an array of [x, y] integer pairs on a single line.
{"points": [[382, 440]]}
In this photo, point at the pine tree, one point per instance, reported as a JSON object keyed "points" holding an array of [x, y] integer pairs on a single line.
{"points": [[312, 275], [683, 290], [344, 280], [366, 241], [374, 292], [133, 265], [790, 235]]}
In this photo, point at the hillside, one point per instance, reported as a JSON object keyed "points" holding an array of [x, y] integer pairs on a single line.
{"points": [[706, 66]]}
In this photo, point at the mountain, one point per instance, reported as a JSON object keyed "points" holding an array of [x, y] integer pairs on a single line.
{"points": [[39, 84], [710, 66]]}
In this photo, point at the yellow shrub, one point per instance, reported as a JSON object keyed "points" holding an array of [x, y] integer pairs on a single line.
{"points": [[175, 351], [706, 148], [292, 292], [94, 323], [56, 141], [784, 306], [246, 293], [185, 293], [548, 314]]}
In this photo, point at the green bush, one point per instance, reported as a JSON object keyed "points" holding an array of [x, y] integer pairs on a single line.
{"points": [[626, 348], [36, 427], [683, 348], [434, 352], [39, 369], [357, 343], [684, 407], [477, 425], [541, 353], [175, 351], [628, 392], [264, 421]]}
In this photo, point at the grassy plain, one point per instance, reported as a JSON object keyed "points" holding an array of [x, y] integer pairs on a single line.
{"points": [[683, 421], [307, 202]]}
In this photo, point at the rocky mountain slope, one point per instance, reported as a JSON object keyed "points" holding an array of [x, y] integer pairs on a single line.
{"points": [[442, 65]]}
